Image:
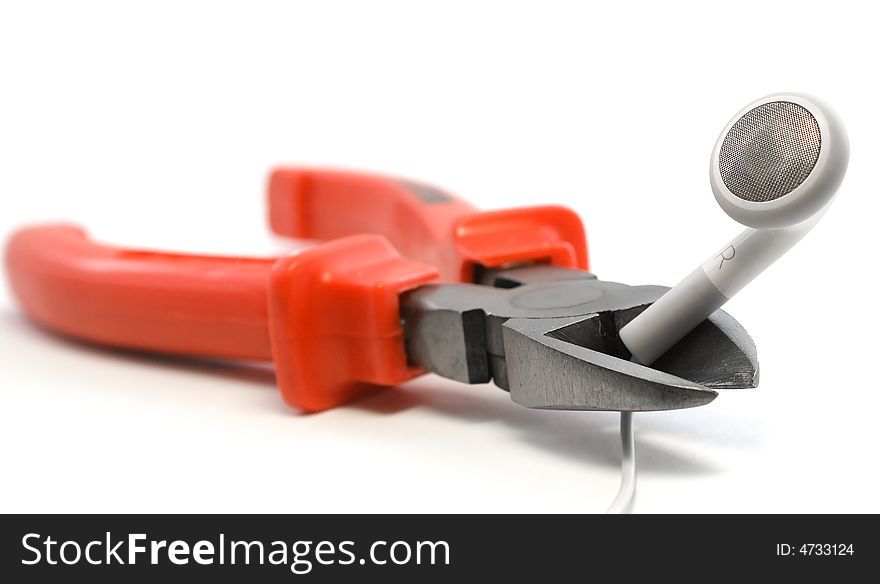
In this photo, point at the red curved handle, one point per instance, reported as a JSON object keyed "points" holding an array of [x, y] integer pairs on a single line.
{"points": [[424, 223], [329, 316], [417, 219], [174, 303]]}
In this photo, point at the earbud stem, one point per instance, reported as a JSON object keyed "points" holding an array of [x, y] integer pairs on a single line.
{"points": [[707, 288]]}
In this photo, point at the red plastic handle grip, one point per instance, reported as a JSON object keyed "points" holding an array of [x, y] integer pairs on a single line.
{"points": [[424, 223], [328, 316], [174, 303], [416, 218]]}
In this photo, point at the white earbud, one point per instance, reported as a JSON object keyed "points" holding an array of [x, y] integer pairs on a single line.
{"points": [[775, 168]]}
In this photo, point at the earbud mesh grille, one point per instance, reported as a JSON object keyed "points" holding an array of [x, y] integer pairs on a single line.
{"points": [[769, 151]]}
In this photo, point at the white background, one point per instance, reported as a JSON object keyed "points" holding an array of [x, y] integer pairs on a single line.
{"points": [[154, 125]]}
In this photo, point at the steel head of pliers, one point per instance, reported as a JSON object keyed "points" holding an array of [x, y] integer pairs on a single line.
{"points": [[549, 336]]}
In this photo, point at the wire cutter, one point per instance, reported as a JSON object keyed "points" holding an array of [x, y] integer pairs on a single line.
{"points": [[407, 279]]}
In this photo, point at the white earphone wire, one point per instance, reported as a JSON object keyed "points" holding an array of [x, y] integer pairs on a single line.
{"points": [[625, 498]]}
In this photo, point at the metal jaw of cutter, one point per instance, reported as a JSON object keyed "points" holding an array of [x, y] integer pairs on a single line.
{"points": [[549, 336]]}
